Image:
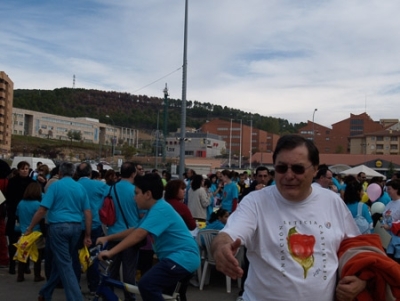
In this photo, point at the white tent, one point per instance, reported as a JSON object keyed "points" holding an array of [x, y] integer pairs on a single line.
{"points": [[369, 172]]}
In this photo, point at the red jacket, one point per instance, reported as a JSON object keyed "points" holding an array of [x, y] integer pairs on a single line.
{"points": [[364, 256]]}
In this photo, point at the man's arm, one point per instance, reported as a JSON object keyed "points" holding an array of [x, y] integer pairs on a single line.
{"points": [[40, 213], [224, 250], [134, 237], [116, 236], [88, 227], [349, 287]]}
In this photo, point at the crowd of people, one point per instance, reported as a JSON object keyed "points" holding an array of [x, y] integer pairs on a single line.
{"points": [[291, 220]]}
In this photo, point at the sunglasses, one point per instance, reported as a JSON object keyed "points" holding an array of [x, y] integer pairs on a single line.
{"points": [[296, 168]]}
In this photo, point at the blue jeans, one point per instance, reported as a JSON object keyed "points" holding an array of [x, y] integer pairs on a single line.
{"points": [[162, 277], [64, 238]]}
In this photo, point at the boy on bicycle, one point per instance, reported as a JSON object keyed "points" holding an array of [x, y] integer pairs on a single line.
{"points": [[176, 250]]}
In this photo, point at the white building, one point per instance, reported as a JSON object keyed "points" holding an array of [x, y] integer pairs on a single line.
{"points": [[37, 124], [201, 145]]}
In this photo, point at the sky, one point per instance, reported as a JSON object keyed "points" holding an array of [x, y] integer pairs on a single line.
{"points": [[278, 58]]}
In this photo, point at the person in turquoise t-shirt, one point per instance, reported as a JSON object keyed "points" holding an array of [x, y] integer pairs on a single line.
{"points": [[230, 193], [173, 244], [26, 209], [217, 220]]}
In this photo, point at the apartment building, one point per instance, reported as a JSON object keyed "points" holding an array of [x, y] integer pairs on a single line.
{"points": [[43, 125], [197, 144], [241, 139], [386, 142], [6, 104], [337, 139]]}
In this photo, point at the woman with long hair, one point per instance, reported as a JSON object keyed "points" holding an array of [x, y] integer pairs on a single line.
{"points": [[174, 195], [15, 191], [352, 197], [198, 199]]}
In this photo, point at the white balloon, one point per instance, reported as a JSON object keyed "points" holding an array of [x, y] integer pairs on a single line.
{"points": [[377, 207]]}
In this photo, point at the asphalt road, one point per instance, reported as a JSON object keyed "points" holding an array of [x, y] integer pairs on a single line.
{"points": [[10, 289]]}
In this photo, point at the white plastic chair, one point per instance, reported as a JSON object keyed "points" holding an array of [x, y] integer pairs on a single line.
{"points": [[204, 239]]}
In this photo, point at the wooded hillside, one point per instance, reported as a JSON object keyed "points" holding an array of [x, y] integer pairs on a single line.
{"points": [[137, 111]]}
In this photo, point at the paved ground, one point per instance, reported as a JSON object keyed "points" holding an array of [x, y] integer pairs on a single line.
{"points": [[10, 289]]}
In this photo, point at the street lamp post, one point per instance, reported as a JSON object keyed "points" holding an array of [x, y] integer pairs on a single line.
{"points": [[113, 139], [313, 124]]}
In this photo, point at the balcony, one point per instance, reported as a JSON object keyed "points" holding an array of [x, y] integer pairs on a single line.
{"points": [[2, 94]]}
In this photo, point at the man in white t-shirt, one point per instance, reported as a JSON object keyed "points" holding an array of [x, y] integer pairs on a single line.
{"points": [[292, 232]]}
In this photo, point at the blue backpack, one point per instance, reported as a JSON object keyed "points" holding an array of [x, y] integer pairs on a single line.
{"points": [[361, 221]]}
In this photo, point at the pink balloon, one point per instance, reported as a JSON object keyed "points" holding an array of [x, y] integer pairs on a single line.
{"points": [[374, 191]]}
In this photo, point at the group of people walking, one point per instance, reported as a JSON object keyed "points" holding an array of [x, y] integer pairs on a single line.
{"points": [[292, 222]]}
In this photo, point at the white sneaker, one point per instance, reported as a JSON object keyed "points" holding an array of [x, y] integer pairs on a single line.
{"points": [[240, 298], [194, 282]]}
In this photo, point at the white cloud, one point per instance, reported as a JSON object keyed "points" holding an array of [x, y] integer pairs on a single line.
{"points": [[279, 58]]}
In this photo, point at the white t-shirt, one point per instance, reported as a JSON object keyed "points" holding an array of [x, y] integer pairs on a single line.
{"points": [[392, 209], [263, 222]]}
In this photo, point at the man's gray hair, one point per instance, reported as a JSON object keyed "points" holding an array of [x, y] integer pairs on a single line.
{"points": [[67, 169]]}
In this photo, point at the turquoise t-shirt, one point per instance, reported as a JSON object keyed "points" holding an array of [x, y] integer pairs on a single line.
{"points": [[230, 193], [96, 191], [215, 225], [170, 236], [126, 194], [66, 200], [26, 209]]}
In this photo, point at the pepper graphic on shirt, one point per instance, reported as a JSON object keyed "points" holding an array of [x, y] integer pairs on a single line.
{"points": [[301, 248]]}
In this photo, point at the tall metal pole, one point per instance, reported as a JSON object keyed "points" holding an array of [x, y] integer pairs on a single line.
{"points": [[251, 143], [230, 145], [183, 114], [165, 123], [240, 148], [313, 125], [157, 140]]}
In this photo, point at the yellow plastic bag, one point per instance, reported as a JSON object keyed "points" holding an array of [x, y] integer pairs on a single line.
{"points": [[84, 259], [26, 247]]}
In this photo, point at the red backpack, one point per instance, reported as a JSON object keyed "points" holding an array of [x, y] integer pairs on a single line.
{"points": [[107, 212]]}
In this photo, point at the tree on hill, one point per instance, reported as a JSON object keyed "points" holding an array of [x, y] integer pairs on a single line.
{"points": [[138, 111]]}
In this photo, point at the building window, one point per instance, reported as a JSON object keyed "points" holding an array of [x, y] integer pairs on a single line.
{"points": [[393, 138], [379, 146], [393, 146], [379, 138]]}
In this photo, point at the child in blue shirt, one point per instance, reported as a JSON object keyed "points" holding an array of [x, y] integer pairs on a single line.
{"points": [[26, 209], [176, 249], [217, 220]]}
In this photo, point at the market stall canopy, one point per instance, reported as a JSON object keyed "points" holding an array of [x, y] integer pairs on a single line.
{"points": [[369, 172]]}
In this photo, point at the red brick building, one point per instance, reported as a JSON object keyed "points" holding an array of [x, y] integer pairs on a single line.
{"points": [[337, 139], [237, 137]]}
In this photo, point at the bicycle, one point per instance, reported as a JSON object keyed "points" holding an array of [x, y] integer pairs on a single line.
{"points": [[104, 290]]}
